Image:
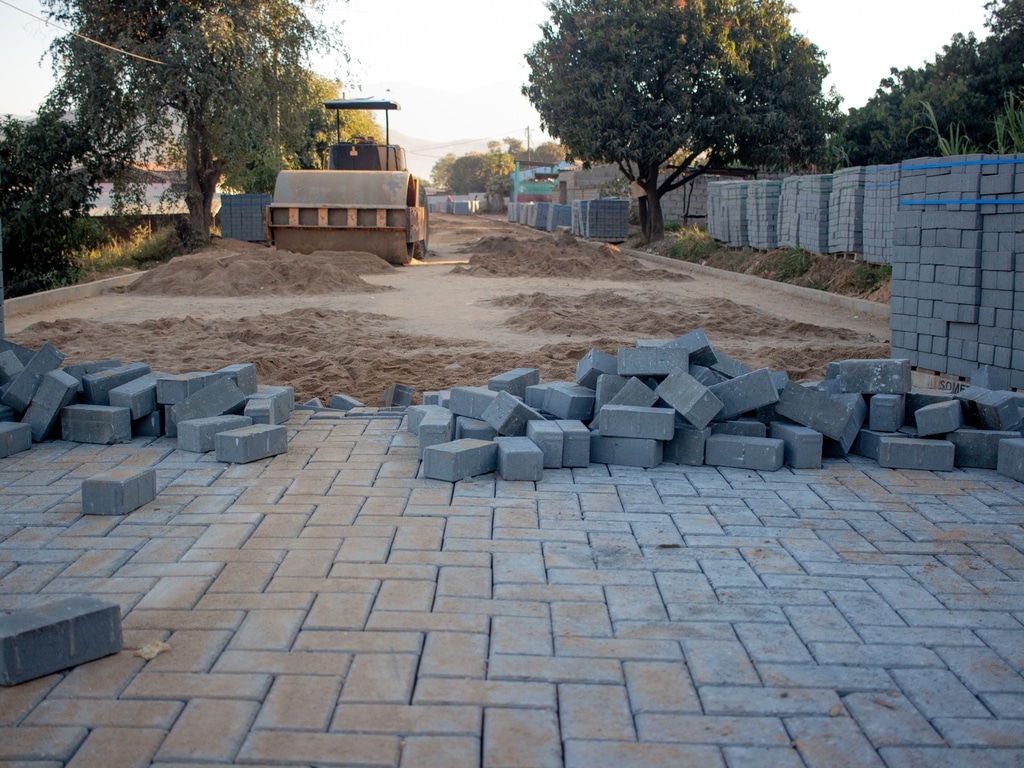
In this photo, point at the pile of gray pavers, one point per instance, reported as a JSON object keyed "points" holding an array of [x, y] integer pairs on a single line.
{"points": [[108, 402], [683, 402]]}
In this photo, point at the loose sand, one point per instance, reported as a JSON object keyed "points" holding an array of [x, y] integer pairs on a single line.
{"points": [[489, 297]]}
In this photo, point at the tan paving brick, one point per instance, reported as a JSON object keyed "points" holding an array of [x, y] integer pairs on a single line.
{"points": [[429, 557], [329, 749], [243, 577], [251, 555], [256, 601], [181, 592], [327, 585], [487, 693], [385, 678], [268, 630], [209, 730], [454, 654], [595, 712], [419, 537], [490, 607], [403, 595], [440, 752], [433, 719], [45, 742], [364, 550], [17, 701], [118, 748], [103, 678], [95, 713], [311, 564], [521, 738], [182, 685], [554, 669], [284, 663], [521, 636], [360, 642], [464, 582], [173, 619], [225, 536], [278, 525], [614, 754], [655, 686], [300, 703], [427, 622], [339, 611], [191, 651]]}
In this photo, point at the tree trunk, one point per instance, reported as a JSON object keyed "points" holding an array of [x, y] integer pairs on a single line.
{"points": [[202, 174], [653, 224]]}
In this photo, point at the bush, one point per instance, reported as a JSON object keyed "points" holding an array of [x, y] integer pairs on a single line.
{"points": [[867, 277], [692, 244], [144, 247]]}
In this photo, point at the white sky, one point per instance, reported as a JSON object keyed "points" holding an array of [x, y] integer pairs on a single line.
{"points": [[456, 66]]}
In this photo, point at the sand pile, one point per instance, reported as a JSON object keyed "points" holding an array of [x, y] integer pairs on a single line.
{"points": [[232, 268], [559, 256]]}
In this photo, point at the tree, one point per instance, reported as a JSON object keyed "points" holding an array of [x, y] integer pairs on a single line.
{"points": [[48, 178], [549, 152], [468, 174], [442, 171], [213, 78], [632, 82]]}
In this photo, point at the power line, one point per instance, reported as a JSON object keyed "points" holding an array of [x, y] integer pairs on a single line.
{"points": [[83, 37]]}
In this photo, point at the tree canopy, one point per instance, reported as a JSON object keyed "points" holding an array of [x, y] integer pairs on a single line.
{"points": [[965, 87], [216, 82], [633, 82]]}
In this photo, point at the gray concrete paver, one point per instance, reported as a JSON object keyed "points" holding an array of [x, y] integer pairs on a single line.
{"points": [[327, 606]]}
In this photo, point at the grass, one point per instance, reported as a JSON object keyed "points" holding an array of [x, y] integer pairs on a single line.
{"points": [[144, 248], [867, 277], [791, 263], [692, 244]]}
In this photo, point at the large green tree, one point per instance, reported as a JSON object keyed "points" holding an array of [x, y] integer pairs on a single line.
{"points": [[634, 82], [205, 79], [48, 179], [965, 87]]}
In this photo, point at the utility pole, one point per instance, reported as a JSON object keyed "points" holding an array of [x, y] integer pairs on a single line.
{"points": [[529, 154]]}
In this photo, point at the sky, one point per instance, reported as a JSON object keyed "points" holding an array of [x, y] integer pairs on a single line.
{"points": [[456, 66]]}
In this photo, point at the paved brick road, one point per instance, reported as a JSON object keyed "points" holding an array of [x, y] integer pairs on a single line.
{"points": [[327, 607]]}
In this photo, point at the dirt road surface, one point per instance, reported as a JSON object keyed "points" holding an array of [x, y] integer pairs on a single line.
{"points": [[490, 297]]}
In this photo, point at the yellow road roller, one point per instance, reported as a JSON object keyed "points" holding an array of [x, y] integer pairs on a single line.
{"points": [[366, 201]]}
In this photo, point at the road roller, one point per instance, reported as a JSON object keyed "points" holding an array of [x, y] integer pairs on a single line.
{"points": [[366, 201]]}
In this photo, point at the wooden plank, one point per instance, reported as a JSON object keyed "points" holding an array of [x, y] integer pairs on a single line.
{"points": [[353, 218], [321, 217], [293, 217], [382, 217]]}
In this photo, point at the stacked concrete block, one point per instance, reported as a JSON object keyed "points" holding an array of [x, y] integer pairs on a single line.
{"points": [[637, 421], [625, 451], [269, 405], [508, 415], [524, 212], [755, 453], [846, 211], [575, 443], [242, 216], [977, 447], [470, 401], [633, 392], [216, 399], [548, 437], [763, 214], [118, 491], [97, 424], [938, 419], [56, 390], [465, 207], [717, 221], [559, 216], [886, 413], [594, 364], [341, 402], [460, 460], [515, 381], [243, 375], [519, 458], [745, 393], [137, 395], [956, 265], [813, 204], [397, 395], [172, 389], [62, 634], [199, 435], [698, 346], [10, 367], [96, 386], [542, 212], [789, 213], [913, 453], [248, 444], [473, 429], [607, 388], [435, 427], [606, 219], [651, 361], [686, 446], [692, 400], [839, 421], [742, 427], [14, 438], [881, 201], [1010, 461], [572, 402], [21, 390], [874, 377], [802, 447], [513, 212], [734, 211]]}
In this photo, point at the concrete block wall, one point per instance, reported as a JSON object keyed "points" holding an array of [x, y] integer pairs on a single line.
{"points": [[881, 200], [241, 216], [846, 211], [958, 265], [763, 214], [789, 213]]}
